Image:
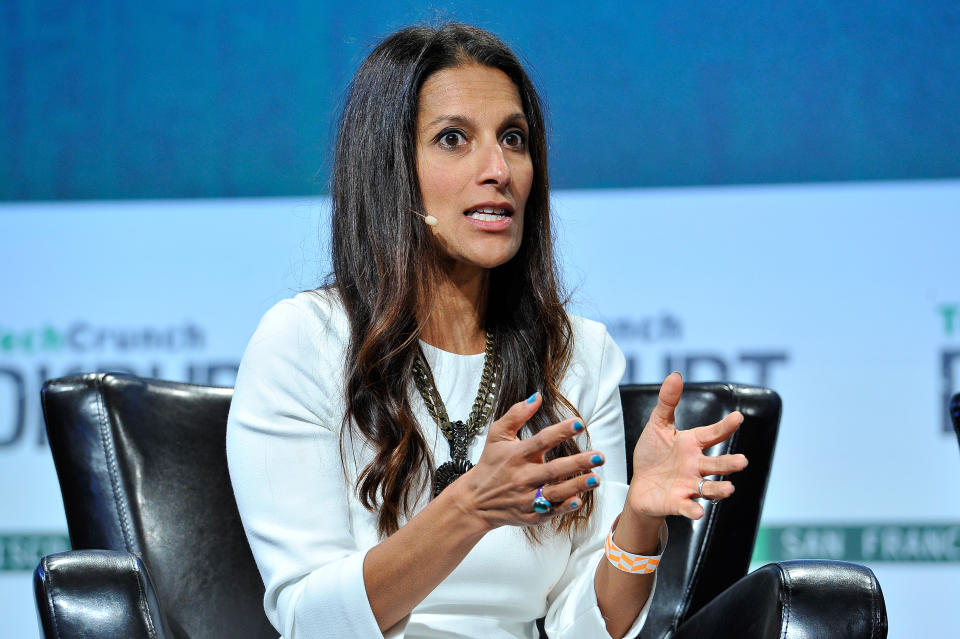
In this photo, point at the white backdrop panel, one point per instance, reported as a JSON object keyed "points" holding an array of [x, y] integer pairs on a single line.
{"points": [[840, 297]]}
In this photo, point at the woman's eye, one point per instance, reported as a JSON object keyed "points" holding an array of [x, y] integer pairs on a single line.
{"points": [[452, 139], [514, 139]]}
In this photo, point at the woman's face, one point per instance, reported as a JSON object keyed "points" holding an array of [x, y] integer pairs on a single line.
{"points": [[473, 163]]}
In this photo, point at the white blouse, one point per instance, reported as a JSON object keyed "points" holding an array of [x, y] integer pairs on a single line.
{"points": [[309, 533]]}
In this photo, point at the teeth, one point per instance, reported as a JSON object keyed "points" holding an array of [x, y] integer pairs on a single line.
{"points": [[487, 214]]}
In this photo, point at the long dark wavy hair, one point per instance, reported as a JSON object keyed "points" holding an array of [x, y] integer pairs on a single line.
{"points": [[386, 267]]}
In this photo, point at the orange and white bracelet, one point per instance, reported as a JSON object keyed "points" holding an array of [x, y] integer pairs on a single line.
{"points": [[629, 562]]}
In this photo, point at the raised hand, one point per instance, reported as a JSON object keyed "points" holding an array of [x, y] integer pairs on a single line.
{"points": [[668, 464], [500, 489]]}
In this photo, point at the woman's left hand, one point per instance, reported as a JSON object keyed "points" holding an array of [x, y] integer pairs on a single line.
{"points": [[668, 464]]}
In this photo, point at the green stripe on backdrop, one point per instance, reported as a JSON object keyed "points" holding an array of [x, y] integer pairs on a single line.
{"points": [[22, 551], [900, 542], [863, 543]]}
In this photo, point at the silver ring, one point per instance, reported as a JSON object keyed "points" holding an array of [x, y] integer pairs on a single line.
{"points": [[700, 492]]}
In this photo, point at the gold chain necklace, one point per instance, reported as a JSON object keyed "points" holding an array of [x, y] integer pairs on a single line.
{"points": [[458, 433]]}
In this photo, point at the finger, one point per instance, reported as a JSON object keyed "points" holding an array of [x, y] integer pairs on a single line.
{"points": [[560, 469], [573, 503], [513, 420], [717, 489], [722, 464], [691, 509], [663, 414], [548, 438], [713, 434], [564, 491]]}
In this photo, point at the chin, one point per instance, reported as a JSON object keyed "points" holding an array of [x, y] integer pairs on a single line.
{"points": [[486, 262], [494, 260]]}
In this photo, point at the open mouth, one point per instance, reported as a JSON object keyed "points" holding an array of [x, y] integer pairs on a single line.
{"points": [[488, 213]]}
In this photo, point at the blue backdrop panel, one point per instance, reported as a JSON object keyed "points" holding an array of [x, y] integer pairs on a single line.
{"points": [[108, 99]]}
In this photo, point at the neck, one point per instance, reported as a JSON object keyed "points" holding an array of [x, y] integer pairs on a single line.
{"points": [[455, 323]]}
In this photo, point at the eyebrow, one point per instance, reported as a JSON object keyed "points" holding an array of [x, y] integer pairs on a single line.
{"points": [[460, 119]]}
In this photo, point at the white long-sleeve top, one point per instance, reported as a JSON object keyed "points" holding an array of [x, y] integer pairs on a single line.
{"points": [[309, 533]]}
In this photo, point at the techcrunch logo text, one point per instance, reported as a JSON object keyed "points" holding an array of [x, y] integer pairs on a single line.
{"points": [[84, 337]]}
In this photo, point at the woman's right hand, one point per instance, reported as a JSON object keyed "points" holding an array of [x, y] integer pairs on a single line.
{"points": [[501, 488], [498, 491]]}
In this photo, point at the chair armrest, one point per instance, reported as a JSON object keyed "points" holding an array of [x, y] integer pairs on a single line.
{"points": [[96, 593], [795, 600]]}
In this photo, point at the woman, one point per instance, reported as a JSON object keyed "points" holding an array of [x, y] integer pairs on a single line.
{"points": [[376, 494]]}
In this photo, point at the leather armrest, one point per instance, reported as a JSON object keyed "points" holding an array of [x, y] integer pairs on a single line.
{"points": [[96, 593], [795, 600]]}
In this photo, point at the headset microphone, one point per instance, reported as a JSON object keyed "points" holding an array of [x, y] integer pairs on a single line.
{"points": [[429, 219]]}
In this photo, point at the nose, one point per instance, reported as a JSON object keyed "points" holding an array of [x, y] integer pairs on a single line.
{"points": [[494, 168]]}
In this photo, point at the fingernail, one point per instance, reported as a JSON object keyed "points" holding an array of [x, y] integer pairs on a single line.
{"points": [[596, 459], [577, 426], [592, 481], [532, 398], [574, 505], [679, 373]]}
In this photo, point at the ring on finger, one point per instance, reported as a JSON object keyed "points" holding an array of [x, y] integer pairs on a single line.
{"points": [[700, 491], [541, 505]]}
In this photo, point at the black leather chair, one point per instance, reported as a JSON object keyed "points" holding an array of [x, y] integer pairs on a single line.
{"points": [[159, 551]]}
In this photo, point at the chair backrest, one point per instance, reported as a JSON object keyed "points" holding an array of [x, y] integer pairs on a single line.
{"points": [[142, 468], [706, 556]]}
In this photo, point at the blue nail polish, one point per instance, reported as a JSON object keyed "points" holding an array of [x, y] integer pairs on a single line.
{"points": [[577, 426], [592, 481], [596, 459], [574, 505], [532, 398]]}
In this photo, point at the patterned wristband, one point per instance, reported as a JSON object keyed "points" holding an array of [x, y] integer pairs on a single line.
{"points": [[634, 564]]}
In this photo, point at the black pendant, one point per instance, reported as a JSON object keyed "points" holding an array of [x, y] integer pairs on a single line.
{"points": [[459, 464], [448, 473]]}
